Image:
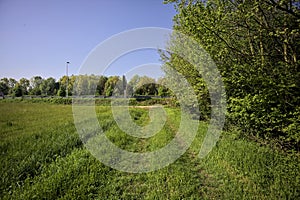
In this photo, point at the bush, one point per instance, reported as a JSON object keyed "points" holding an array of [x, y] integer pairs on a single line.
{"points": [[259, 116]]}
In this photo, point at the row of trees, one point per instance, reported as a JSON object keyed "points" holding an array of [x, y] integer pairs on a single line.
{"points": [[34, 86], [83, 85], [118, 86], [256, 45]]}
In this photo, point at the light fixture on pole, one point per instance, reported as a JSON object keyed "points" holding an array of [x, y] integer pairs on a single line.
{"points": [[67, 95]]}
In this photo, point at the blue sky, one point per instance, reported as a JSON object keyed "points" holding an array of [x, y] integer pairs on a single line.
{"points": [[37, 37]]}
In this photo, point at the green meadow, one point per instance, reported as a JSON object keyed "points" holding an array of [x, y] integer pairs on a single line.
{"points": [[42, 157]]}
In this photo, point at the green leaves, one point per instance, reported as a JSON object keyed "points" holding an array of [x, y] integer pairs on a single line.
{"points": [[256, 46]]}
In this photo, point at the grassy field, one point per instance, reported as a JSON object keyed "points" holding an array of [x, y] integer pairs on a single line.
{"points": [[42, 157]]}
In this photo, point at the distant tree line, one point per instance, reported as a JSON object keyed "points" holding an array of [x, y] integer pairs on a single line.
{"points": [[83, 85]]}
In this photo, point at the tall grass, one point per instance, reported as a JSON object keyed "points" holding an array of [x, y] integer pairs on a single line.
{"points": [[42, 157]]}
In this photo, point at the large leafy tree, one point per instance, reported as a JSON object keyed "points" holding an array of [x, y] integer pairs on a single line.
{"points": [[24, 84], [64, 83], [4, 87], [134, 81], [11, 84], [101, 85], [110, 86], [35, 83], [146, 86], [162, 89], [82, 85], [17, 91], [255, 44], [143, 85], [48, 86]]}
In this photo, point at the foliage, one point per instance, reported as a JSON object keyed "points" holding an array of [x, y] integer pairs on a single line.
{"points": [[162, 89], [17, 90], [48, 86], [4, 87], [24, 83], [100, 90], [143, 85], [35, 83], [111, 84], [255, 45], [61, 92], [169, 102], [82, 85]]}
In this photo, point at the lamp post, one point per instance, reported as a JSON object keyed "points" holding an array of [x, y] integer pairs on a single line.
{"points": [[67, 95]]}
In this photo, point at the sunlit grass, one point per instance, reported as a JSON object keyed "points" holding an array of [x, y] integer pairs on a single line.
{"points": [[43, 157]]}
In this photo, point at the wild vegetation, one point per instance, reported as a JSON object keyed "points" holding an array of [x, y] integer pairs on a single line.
{"points": [[43, 157], [255, 45]]}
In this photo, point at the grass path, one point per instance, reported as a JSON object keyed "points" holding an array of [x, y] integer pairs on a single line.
{"points": [[43, 157]]}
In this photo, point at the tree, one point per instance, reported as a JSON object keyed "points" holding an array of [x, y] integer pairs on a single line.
{"points": [[146, 86], [101, 85], [61, 91], [132, 84], [85, 84], [72, 80], [35, 83], [17, 90], [110, 86], [81, 85], [48, 86], [11, 84], [255, 45], [24, 84], [51, 86], [162, 90], [124, 86], [143, 85], [4, 87], [92, 84], [62, 85]]}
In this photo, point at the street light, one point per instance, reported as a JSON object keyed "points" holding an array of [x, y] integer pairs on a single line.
{"points": [[67, 95]]}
